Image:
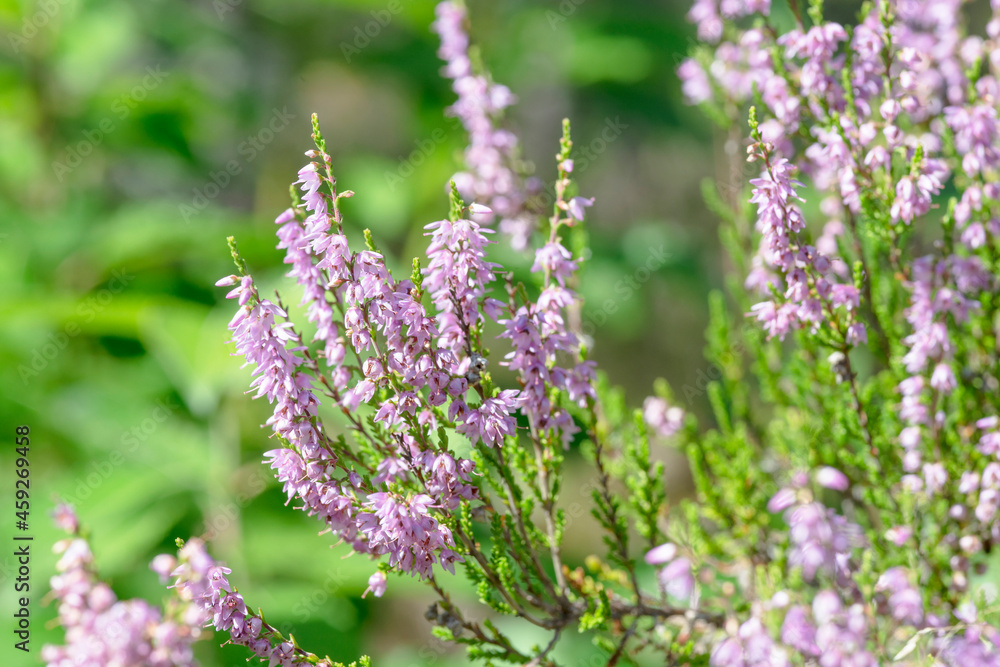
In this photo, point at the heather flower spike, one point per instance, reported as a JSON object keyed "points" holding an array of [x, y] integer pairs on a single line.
{"points": [[103, 630]]}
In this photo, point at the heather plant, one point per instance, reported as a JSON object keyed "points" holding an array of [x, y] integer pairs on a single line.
{"points": [[847, 491]]}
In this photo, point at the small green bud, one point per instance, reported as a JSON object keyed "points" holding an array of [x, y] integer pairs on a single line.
{"points": [[416, 275], [457, 205], [370, 241]]}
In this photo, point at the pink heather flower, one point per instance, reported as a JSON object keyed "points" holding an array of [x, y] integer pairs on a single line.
{"points": [[857, 334], [103, 630], [376, 585], [705, 15], [695, 84], [899, 535], [820, 538], [664, 419], [845, 295], [491, 157], [662, 554], [458, 277], [405, 530], [737, 8], [751, 647], [777, 320], [969, 482], [577, 206], [841, 634], [538, 333], [204, 583], [311, 181], [905, 603], [817, 48], [913, 194], [832, 478], [976, 133], [448, 479], [65, 518], [491, 422], [798, 631], [728, 653], [989, 502], [163, 565], [781, 501], [556, 261], [676, 578], [780, 221], [378, 311], [943, 378], [989, 441], [935, 477]]}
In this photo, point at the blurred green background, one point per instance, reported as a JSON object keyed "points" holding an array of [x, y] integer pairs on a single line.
{"points": [[135, 136]]}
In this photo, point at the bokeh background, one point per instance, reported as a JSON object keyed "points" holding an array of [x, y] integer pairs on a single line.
{"points": [[136, 136]]}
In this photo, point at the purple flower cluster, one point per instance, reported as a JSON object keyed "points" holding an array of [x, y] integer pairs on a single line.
{"points": [[857, 131], [821, 540], [492, 176], [750, 646], [973, 643], [939, 290], [663, 418], [812, 292], [546, 352], [903, 602], [676, 574], [458, 277], [836, 634], [411, 371], [410, 365], [832, 632], [102, 630], [201, 581], [404, 529]]}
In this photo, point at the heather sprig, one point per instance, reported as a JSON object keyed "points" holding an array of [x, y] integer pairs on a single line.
{"points": [[494, 175], [103, 630]]}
